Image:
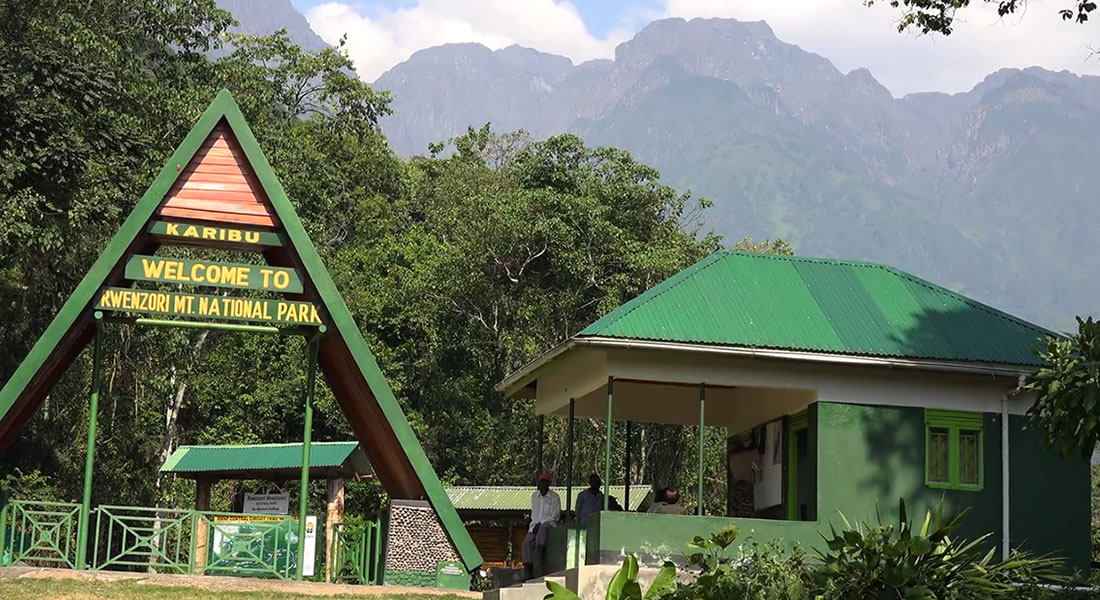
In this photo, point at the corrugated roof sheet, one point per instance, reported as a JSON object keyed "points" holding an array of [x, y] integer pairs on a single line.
{"points": [[518, 498], [262, 457], [820, 305]]}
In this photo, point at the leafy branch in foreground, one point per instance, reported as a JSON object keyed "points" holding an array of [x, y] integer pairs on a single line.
{"points": [[938, 16], [624, 584], [1067, 403]]}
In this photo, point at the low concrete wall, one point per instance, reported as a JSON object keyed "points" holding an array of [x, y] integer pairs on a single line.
{"points": [[653, 538], [566, 547]]}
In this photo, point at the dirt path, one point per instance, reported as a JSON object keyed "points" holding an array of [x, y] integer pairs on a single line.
{"points": [[228, 584]]}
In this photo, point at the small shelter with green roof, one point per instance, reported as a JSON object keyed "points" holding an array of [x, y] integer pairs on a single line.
{"points": [[335, 462], [842, 387]]}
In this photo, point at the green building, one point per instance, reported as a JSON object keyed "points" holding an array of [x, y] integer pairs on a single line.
{"points": [[842, 387]]}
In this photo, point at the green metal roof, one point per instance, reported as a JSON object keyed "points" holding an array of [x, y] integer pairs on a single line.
{"points": [[820, 305], [265, 457], [518, 498]]}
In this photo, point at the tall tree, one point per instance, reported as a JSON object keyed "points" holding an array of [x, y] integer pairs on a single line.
{"points": [[1067, 405]]}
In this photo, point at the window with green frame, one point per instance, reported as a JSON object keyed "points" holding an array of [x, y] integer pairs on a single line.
{"points": [[953, 449]]}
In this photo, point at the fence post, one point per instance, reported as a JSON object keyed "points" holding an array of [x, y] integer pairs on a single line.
{"points": [[89, 456], [303, 488]]}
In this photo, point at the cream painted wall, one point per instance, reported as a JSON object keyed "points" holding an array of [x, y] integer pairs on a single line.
{"points": [[747, 391]]}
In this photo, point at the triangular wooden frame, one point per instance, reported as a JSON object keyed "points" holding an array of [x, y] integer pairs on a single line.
{"points": [[347, 363]]}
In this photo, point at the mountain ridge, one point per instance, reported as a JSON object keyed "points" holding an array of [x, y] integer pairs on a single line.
{"points": [[984, 191]]}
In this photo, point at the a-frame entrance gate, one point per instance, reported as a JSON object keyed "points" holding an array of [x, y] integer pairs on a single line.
{"points": [[216, 192]]}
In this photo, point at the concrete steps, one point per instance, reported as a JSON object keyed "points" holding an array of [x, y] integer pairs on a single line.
{"points": [[589, 582]]}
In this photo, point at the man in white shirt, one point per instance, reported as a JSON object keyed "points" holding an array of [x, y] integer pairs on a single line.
{"points": [[590, 500], [545, 512]]}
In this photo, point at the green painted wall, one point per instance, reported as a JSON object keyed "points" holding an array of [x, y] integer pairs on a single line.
{"points": [[566, 547], [425, 579], [1050, 501], [870, 456], [655, 538]]}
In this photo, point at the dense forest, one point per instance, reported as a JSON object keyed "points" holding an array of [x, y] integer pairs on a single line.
{"points": [[458, 266]]}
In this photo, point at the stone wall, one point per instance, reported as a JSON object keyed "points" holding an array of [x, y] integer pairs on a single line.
{"points": [[415, 543]]}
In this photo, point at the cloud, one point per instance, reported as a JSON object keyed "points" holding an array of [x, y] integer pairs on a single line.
{"points": [[378, 39], [844, 31], [852, 35]]}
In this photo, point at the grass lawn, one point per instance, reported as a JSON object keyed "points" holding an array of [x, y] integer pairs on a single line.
{"points": [[77, 589]]}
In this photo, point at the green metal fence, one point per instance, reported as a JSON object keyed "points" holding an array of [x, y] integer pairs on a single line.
{"points": [[254, 545], [354, 553], [39, 533], [137, 536]]}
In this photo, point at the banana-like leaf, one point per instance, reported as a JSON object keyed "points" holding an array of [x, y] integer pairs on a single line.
{"points": [[626, 574], [558, 592], [663, 582]]}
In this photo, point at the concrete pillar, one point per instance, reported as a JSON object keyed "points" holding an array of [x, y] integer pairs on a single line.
{"points": [[334, 515], [202, 503]]}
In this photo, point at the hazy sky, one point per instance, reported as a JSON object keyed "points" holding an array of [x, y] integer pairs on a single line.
{"points": [[382, 33]]}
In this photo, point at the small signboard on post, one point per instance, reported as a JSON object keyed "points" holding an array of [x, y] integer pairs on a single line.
{"points": [[450, 575], [309, 550], [267, 504]]}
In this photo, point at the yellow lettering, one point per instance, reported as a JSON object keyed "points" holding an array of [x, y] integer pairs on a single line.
{"points": [[252, 237], [234, 235], [191, 231], [178, 304], [266, 310], [266, 274], [152, 268], [243, 274], [169, 272], [171, 229], [282, 280], [209, 233], [313, 316], [280, 312], [197, 273]]}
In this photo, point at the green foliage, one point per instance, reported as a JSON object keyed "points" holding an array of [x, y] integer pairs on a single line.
{"points": [[624, 584], [883, 561], [35, 484], [757, 572], [1067, 405], [457, 268], [938, 16], [776, 246]]}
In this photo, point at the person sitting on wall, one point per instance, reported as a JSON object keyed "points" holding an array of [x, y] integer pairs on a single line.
{"points": [[671, 505], [659, 498], [545, 513], [590, 500]]}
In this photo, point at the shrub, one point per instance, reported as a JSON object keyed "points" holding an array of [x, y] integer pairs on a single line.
{"points": [[883, 561], [756, 572]]}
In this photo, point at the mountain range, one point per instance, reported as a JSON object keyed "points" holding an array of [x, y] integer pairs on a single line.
{"points": [[986, 192]]}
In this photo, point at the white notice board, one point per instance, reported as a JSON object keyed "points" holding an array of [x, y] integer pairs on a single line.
{"points": [[267, 504]]}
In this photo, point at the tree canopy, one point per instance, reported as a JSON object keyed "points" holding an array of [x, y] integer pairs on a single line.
{"points": [[938, 16], [458, 266]]}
